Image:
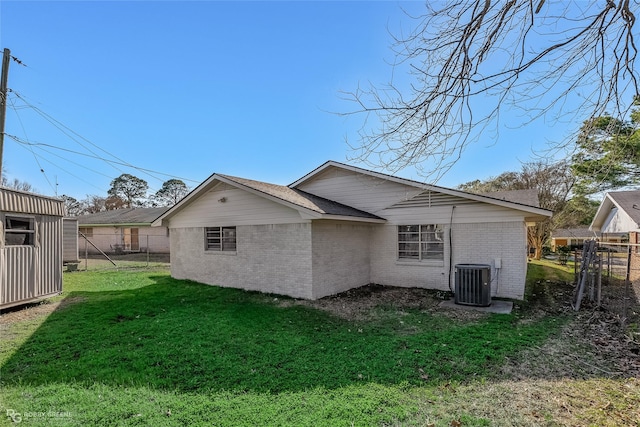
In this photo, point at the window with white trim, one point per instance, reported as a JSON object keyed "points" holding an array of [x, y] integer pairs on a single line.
{"points": [[220, 239], [421, 242], [19, 231]]}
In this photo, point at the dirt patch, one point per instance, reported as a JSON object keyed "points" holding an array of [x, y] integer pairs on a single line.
{"points": [[33, 311], [360, 304]]}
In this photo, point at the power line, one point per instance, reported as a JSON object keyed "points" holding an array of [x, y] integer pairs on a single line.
{"points": [[31, 149], [61, 127], [66, 131], [75, 163], [41, 144], [64, 170], [70, 134]]}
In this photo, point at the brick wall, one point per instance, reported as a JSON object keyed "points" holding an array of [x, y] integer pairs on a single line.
{"points": [[483, 243], [327, 257], [341, 259], [269, 258], [479, 243]]}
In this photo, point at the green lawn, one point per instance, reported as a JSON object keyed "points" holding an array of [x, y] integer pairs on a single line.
{"points": [[141, 348]]}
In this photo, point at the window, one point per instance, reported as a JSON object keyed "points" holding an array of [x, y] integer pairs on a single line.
{"points": [[87, 231], [421, 242], [220, 238], [19, 231]]}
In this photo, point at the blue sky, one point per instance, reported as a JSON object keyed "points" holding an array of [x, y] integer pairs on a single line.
{"points": [[192, 88]]}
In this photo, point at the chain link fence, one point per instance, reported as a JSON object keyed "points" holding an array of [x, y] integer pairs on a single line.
{"points": [[613, 279], [104, 251]]}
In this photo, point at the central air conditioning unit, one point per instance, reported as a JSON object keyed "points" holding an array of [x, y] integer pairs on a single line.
{"points": [[473, 284]]}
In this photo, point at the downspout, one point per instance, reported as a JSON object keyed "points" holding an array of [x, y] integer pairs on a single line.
{"points": [[451, 248]]}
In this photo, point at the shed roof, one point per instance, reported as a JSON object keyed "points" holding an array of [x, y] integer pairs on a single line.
{"points": [[126, 216], [29, 203]]}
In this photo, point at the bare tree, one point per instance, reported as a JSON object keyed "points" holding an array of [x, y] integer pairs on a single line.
{"points": [[469, 60], [72, 206], [93, 204], [553, 181], [16, 184]]}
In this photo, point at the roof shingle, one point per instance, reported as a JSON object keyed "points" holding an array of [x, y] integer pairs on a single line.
{"points": [[302, 199], [123, 216]]}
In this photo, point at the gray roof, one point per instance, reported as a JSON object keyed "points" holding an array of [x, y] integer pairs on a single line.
{"points": [[302, 198], [125, 216], [626, 200], [575, 233]]}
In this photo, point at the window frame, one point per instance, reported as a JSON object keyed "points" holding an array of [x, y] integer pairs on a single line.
{"points": [[220, 239], [29, 232], [87, 231], [416, 242]]}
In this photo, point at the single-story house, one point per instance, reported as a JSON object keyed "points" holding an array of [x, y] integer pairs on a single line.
{"points": [[341, 227], [30, 247], [123, 231], [572, 237], [618, 220]]}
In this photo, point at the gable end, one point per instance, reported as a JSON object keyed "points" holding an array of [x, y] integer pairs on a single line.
{"points": [[432, 199]]}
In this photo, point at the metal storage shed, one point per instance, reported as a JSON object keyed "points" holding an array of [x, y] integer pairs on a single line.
{"points": [[30, 247], [70, 240]]}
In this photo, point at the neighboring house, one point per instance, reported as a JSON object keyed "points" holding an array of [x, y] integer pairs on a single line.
{"points": [[341, 227], [618, 219], [572, 237], [123, 231], [30, 247]]}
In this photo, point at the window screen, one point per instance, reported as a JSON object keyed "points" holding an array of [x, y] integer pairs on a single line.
{"points": [[220, 238]]}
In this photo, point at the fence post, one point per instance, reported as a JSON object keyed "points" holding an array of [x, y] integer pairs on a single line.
{"points": [[86, 256], [575, 265], [628, 276], [599, 282], [608, 266], [592, 282], [147, 251]]}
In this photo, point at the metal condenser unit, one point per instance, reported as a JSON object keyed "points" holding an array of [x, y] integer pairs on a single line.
{"points": [[473, 284]]}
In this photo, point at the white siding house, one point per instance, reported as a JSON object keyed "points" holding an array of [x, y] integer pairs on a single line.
{"points": [[618, 220], [619, 213], [342, 227]]}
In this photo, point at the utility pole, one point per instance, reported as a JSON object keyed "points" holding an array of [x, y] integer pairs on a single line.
{"points": [[6, 57]]}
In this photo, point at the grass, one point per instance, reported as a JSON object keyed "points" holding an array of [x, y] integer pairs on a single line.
{"points": [[141, 348]]}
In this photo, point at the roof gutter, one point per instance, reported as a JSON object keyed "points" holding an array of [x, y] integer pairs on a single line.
{"points": [[125, 224]]}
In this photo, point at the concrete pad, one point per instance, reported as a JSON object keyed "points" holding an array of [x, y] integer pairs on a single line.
{"points": [[499, 307]]}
